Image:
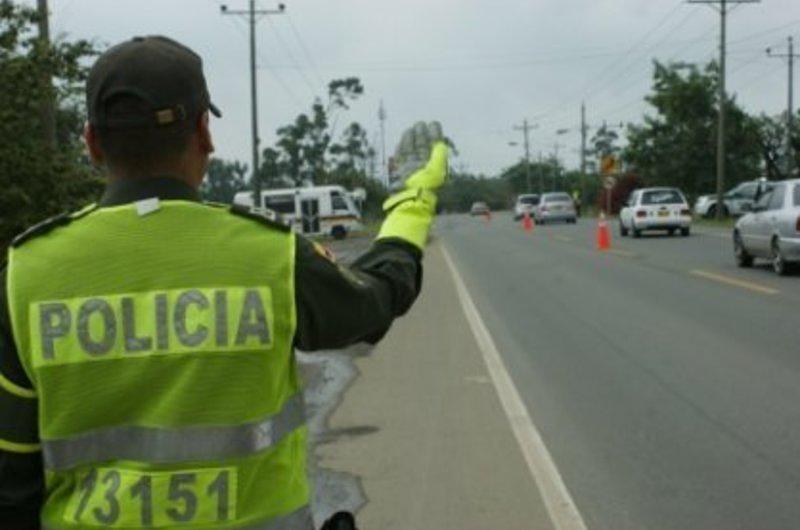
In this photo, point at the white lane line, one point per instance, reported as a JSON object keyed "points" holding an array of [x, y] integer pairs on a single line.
{"points": [[560, 506]]}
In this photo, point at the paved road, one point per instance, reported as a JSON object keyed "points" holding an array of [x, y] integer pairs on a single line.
{"points": [[664, 380], [423, 431]]}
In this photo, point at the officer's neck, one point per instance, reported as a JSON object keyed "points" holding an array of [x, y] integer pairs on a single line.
{"points": [[165, 187]]}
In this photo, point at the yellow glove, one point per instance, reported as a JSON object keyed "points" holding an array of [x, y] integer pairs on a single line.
{"points": [[421, 158]]}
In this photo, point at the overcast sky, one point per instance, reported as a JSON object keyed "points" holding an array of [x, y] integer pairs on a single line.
{"points": [[478, 66]]}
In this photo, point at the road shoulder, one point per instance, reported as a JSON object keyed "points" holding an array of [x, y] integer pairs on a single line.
{"points": [[429, 438]]}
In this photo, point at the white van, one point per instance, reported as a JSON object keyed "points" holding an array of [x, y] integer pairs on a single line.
{"points": [[314, 210]]}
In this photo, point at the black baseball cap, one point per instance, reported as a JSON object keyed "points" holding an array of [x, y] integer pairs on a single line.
{"points": [[164, 75]]}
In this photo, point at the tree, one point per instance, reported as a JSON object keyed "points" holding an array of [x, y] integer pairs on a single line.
{"points": [[677, 146], [604, 142], [353, 150], [224, 180], [37, 180], [463, 189], [772, 140], [304, 144], [290, 146]]}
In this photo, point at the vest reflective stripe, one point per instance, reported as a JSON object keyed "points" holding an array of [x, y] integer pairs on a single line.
{"points": [[297, 520], [168, 446]]}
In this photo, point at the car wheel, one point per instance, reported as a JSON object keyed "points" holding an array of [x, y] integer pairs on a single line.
{"points": [[622, 230], [712, 212], [636, 232], [743, 258], [671, 232], [779, 264], [686, 231]]}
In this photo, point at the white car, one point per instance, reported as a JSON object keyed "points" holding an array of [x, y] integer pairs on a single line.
{"points": [[555, 206], [525, 204], [655, 209]]}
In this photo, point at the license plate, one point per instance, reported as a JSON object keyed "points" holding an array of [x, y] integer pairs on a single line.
{"points": [[663, 214]]}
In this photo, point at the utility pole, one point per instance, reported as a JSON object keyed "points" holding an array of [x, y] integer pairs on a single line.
{"points": [[790, 107], [722, 7], [252, 13], [384, 169], [541, 174], [526, 128], [48, 111], [584, 129], [556, 149]]}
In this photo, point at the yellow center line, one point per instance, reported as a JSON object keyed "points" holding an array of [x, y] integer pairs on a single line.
{"points": [[736, 282]]}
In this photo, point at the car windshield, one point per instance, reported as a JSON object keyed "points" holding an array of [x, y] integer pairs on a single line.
{"points": [[557, 197], [657, 197]]}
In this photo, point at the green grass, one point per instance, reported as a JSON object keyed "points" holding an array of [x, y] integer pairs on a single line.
{"points": [[726, 223]]}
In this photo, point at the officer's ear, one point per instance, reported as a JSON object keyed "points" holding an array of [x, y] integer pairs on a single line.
{"points": [[92, 144], [204, 134]]}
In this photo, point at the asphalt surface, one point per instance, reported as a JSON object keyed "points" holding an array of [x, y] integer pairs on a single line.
{"points": [[421, 429], [664, 380]]}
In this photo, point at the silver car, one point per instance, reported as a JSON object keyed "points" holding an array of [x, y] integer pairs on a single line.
{"points": [[738, 201], [772, 229], [555, 206]]}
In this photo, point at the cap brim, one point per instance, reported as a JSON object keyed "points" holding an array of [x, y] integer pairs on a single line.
{"points": [[214, 110]]}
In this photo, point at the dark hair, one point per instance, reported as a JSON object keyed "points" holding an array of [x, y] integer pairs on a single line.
{"points": [[145, 148]]}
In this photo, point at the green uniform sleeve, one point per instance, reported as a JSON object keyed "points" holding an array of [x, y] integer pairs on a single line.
{"points": [[21, 469], [338, 306]]}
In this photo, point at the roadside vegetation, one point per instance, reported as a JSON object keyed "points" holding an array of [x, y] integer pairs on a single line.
{"points": [[43, 170]]}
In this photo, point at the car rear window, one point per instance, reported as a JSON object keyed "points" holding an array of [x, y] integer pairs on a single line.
{"points": [[662, 197], [558, 197], [530, 199]]}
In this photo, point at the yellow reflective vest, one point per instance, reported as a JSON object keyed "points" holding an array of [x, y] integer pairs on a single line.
{"points": [[159, 344]]}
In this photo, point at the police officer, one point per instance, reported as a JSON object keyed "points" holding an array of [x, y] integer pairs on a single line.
{"points": [[147, 376]]}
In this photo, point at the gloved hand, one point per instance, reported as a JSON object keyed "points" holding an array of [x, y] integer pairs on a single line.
{"points": [[421, 157], [422, 167]]}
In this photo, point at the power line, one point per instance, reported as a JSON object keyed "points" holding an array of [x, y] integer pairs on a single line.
{"points": [[291, 56], [264, 64], [760, 33], [592, 83], [304, 48]]}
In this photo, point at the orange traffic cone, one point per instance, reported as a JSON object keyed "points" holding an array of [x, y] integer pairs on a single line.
{"points": [[603, 234], [527, 222]]}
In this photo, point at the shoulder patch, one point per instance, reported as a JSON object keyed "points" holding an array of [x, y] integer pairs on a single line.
{"points": [[262, 215], [44, 227]]}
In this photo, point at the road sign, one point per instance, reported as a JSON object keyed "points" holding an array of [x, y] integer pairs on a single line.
{"points": [[609, 183], [609, 165]]}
